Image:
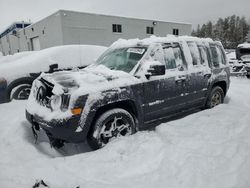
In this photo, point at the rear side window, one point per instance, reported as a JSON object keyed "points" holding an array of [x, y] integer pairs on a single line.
{"points": [[222, 55], [194, 53], [203, 54]]}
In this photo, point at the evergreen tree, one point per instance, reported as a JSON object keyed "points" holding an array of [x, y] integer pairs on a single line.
{"points": [[231, 30]]}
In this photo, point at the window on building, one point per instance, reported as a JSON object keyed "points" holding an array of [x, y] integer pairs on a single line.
{"points": [[117, 28], [175, 31], [150, 30]]}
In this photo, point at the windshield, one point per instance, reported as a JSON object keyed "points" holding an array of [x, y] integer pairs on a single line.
{"points": [[123, 59]]}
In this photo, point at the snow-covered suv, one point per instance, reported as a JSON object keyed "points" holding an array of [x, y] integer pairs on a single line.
{"points": [[132, 85]]}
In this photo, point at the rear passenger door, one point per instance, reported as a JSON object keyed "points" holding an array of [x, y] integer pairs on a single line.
{"points": [[199, 74]]}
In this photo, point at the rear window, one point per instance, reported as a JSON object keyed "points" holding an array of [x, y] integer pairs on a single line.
{"points": [[217, 56]]}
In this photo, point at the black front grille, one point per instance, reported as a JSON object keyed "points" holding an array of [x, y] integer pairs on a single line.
{"points": [[44, 93]]}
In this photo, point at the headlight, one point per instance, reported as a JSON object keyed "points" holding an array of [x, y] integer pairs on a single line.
{"points": [[56, 102]]}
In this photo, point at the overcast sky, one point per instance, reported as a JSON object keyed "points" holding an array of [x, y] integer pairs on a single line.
{"points": [[190, 11]]}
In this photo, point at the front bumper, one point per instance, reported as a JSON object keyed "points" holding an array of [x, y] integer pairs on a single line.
{"points": [[63, 129]]}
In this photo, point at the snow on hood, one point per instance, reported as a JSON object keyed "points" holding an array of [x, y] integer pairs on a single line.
{"points": [[91, 79]]}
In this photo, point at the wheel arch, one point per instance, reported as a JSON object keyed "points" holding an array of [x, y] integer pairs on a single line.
{"points": [[17, 82], [222, 84], [128, 105]]}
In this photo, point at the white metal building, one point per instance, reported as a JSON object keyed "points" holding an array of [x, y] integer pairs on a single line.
{"points": [[69, 27]]}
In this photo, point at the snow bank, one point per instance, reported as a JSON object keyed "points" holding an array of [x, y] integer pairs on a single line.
{"points": [[65, 56], [207, 149], [14, 57]]}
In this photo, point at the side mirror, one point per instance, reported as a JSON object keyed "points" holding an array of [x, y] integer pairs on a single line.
{"points": [[156, 70], [53, 67]]}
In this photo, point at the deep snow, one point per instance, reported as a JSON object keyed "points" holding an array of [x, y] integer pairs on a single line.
{"points": [[207, 149]]}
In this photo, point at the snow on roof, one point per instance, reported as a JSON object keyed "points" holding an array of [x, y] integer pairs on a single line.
{"points": [[121, 43], [244, 45]]}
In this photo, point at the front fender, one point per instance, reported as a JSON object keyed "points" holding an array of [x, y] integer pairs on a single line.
{"points": [[111, 97]]}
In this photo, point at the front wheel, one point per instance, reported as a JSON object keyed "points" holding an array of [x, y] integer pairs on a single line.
{"points": [[111, 124], [216, 97]]}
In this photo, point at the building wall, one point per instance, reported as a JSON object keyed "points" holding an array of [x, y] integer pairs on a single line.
{"points": [[69, 27], [84, 28], [47, 30]]}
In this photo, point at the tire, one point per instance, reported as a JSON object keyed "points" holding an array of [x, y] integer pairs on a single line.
{"points": [[15, 85], [248, 76], [216, 97], [105, 127], [21, 92]]}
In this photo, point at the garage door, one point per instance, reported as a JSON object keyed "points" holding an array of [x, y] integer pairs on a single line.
{"points": [[35, 44]]}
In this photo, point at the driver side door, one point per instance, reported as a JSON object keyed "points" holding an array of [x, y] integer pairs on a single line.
{"points": [[166, 94]]}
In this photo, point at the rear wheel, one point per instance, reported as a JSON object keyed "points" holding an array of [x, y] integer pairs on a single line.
{"points": [[111, 124], [216, 97]]}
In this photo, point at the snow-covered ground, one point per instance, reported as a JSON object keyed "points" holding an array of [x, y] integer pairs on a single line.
{"points": [[208, 149]]}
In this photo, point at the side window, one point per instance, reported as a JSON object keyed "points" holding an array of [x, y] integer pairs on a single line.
{"points": [[173, 57], [203, 54], [169, 57], [157, 54], [194, 53], [178, 57], [208, 52]]}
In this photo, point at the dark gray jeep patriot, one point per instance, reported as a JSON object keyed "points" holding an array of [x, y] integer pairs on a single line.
{"points": [[132, 85]]}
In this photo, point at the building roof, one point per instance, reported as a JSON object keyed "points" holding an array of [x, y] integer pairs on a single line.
{"points": [[14, 26], [127, 17]]}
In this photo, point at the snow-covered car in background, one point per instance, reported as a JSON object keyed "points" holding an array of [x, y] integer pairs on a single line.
{"points": [[231, 56], [17, 72], [132, 85], [242, 65]]}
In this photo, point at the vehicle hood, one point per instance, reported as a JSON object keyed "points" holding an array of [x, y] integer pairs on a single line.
{"points": [[91, 79]]}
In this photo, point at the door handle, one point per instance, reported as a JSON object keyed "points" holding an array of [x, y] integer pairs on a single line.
{"points": [[200, 73], [208, 75], [180, 78]]}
